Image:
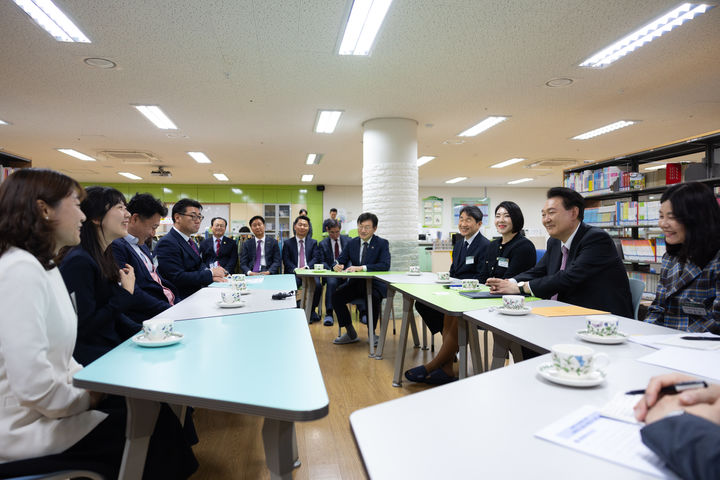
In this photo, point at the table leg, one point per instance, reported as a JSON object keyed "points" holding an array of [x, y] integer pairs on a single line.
{"points": [[402, 341], [385, 322], [413, 329], [501, 345], [371, 331], [280, 448], [309, 292], [141, 417], [475, 349], [462, 344]]}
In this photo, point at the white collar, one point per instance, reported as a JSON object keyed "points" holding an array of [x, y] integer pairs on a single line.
{"points": [[568, 244], [472, 239], [185, 237]]}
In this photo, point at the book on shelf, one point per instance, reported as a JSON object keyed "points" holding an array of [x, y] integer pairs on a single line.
{"points": [[638, 250], [5, 172]]}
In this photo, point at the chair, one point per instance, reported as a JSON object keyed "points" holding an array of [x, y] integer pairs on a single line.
{"points": [[63, 475], [539, 254], [637, 287]]}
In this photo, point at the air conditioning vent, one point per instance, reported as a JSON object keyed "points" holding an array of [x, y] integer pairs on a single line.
{"points": [[129, 157], [553, 163]]}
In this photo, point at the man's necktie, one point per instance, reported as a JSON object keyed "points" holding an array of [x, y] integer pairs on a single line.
{"points": [[337, 249], [217, 247], [363, 253], [148, 261], [301, 259], [258, 256], [193, 246], [563, 263]]}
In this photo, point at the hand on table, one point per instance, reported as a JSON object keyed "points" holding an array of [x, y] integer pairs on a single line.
{"points": [[704, 402], [219, 279], [354, 269], [338, 267], [252, 274], [500, 285]]}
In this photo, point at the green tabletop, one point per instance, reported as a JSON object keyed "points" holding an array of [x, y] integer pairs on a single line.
{"points": [[448, 301], [308, 272]]}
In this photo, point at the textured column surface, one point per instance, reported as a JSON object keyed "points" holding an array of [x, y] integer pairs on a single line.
{"points": [[390, 185]]}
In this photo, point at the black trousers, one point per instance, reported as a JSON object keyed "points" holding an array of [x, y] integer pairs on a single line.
{"points": [[432, 318], [354, 290]]}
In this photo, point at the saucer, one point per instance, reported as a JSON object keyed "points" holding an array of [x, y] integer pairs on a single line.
{"points": [[548, 372], [143, 341], [414, 274], [619, 337], [222, 304], [443, 281], [511, 311]]}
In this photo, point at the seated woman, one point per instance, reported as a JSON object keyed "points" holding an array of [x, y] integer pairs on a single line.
{"points": [[47, 424], [688, 293]]}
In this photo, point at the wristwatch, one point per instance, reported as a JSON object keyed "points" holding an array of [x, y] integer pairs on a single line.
{"points": [[521, 286]]}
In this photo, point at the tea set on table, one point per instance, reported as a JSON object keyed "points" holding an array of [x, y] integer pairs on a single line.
{"points": [[157, 333], [232, 297]]}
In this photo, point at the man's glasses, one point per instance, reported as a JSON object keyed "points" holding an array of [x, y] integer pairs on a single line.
{"points": [[196, 218]]}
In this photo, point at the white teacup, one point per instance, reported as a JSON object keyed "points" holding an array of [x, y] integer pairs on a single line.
{"points": [[239, 285], [319, 267], [513, 302], [157, 329], [602, 325], [232, 295], [577, 360], [443, 276], [414, 269], [470, 284]]}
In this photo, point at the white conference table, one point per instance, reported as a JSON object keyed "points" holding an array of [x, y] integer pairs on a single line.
{"points": [[261, 364], [279, 282], [484, 426]]}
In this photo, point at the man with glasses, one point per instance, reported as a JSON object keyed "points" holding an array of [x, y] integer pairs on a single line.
{"points": [[178, 255]]}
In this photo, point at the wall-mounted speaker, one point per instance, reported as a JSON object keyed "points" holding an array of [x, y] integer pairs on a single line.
{"points": [[320, 188]]}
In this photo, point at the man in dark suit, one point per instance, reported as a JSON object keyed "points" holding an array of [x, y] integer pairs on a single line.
{"points": [[365, 253], [178, 256], [153, 294], [219, 248], [468, 260], [330, 249], [268, 261], [581, 265], [333, 218], [301, 251]]}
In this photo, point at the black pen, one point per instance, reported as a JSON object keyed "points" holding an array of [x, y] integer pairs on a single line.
{"points": [[677, 388], [709, 339]]}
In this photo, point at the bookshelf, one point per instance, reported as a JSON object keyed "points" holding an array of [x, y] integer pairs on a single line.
{"points": [[10, 162]]}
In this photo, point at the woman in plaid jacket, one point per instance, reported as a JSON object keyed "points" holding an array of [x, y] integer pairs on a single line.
{"points": [[688, 294]]}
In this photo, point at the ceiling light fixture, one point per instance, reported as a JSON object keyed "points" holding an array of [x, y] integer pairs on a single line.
{"points": [[456, 180], [76, 154], [221, 176], [307, 178], [646, 34], [3, 122], [364, 22], [424, 159], [51, 19], [489, 122], [97, 62], [603, 130], [522, 180], [236, 191], [166, 190], [199, 157], [506, 163], [327, 120], [313, 158], [156, 116], [303, 190], [129, 175]]}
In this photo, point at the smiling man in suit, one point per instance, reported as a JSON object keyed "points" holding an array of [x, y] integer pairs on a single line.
{"points": [[301, 251], [219, 248], [153, 293], [178, 256], [330, 249], [365, 253], [260, 255]]}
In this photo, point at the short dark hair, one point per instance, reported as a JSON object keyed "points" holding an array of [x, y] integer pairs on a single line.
{"points": [[182, 205], [332, 224], [301, 217], [218, 218], [333, 210], [256, 217], [570, 199], [364, 217], [695, 206], [146, 206], [472, 211], [516, 215], [303, 210]]}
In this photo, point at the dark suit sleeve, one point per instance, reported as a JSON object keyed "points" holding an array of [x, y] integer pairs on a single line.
{"points": [[690, 445], [523, 258], [170, 255], [207, 251], [383, 258], [246, 248], [344, 258], [230, 263], [316, 254], [288, 259], [541, 268], [274, 261]]}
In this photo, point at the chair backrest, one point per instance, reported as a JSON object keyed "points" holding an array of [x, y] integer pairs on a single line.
{"points": [[63, 475], [637, 287], [539, 252]]}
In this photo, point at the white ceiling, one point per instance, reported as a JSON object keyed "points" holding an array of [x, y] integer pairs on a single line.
{"points": [[243, 80]]}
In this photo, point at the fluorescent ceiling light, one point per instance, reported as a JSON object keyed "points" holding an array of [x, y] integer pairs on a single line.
{"points": [[313, 158], [522, 180], [327, 120], [506, 163], [604, 130], [221, 176], [76, 154], [199, 157], [303, 190], [654, 167], [156, 116], [166, 190], [2, 122], [366, 17], [51, 19], [646, 34], [456, 180], [129, 175], [482, 126], [236, 191], [424, 159], [307, 178]]}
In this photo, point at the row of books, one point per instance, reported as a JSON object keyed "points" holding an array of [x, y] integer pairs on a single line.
{"points": [[605, 180], [624, 213], [5, 172], [651, 282], [643, 250]]}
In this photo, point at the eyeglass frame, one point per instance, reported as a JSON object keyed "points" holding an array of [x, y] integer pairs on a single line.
{"points": [[193, 216]]}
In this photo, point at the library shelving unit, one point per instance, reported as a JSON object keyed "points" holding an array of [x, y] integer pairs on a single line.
{"points": [[9, 162], [623, 195]]}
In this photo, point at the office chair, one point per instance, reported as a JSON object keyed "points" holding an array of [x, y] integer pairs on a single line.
{"points": [[637, 287]]}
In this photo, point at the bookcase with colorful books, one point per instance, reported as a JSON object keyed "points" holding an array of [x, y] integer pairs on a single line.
{"points": [[10, 162]]}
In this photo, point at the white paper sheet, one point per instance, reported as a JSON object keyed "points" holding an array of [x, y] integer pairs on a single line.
{"points": [[675, 339], [697, 362]]}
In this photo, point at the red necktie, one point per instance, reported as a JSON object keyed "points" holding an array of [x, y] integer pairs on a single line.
{"points": [[337, 249], [193, 246], [217, 247]]}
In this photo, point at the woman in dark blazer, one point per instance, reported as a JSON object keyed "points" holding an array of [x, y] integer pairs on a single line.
{"points": [[688, 294]]}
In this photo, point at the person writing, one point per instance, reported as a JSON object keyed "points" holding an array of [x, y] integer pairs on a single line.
{"points": [[688, 293]]}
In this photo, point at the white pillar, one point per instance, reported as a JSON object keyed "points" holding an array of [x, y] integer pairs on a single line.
{"points": [[390, 185]]}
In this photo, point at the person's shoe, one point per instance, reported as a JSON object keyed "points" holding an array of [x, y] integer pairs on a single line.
{"points": [[329, 321], [314, 317], [374, 339], [416, 374], [363, 318], [345, 339], [439, 377]]}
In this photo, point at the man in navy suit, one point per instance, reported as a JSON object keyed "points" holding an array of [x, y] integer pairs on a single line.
{"points": [[268, 261], [365, 253], [178, 256], [330, 249], [301, 251], [219, 248], [153, 293]]}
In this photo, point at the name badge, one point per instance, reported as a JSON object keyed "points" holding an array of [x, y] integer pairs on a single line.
{"points": [[503, 262], [469, 260], [693, 307]]}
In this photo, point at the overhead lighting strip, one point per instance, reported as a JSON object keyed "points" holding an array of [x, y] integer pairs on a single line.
{"points": [[456, 180], [51, 19], [221, 176], [76, 154], [477, 129], [307, 178], [366, 18], [424, 159], [156, 116], [603, 130], [199, 157], [129, 175], [521, 180], [507, 163], [327, 120]]}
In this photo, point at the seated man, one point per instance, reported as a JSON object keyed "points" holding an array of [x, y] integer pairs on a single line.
{"points": [[329, 221], [301, 251], [153, 293], [330, 249], [219, 248], [468, 260], [581, 265], [178, 256], [365, 253], [260, 255]]}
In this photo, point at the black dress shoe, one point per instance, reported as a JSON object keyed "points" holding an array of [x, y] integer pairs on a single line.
{"points": [[314, 317]]}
